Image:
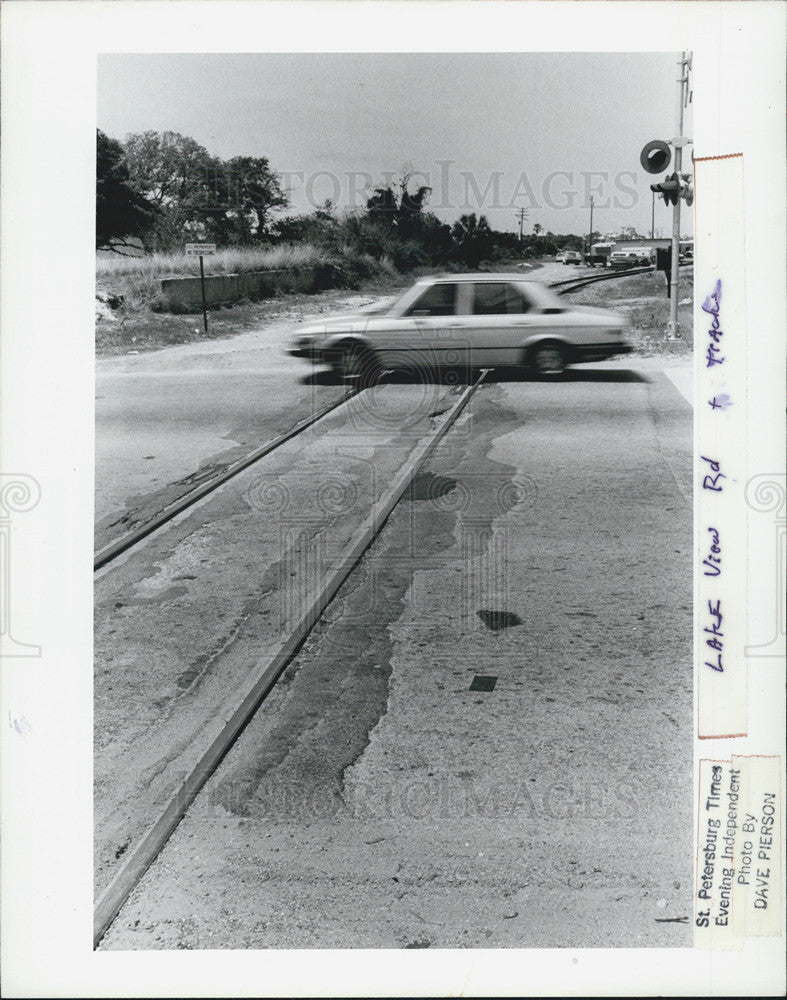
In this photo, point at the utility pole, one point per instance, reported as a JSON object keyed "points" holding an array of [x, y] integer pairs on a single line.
{"points": [[684, 63], [652, 213], [590, 234], [521, 215]]}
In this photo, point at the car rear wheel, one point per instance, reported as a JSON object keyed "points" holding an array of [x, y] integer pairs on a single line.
{"points": [[354, 361], [548, 358]]}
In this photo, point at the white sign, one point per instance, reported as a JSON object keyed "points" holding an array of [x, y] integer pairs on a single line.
{"points": [[200, 249]]}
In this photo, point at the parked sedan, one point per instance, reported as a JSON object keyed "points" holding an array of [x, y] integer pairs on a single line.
{"points": [[465, 321], [572, 257]]}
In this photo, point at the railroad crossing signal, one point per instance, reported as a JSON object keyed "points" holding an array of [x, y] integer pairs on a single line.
{"points": [[675, 186], [655, 156], [669, 189]]}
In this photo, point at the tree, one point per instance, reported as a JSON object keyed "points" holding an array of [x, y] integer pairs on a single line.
{"points": [[120, 210], [402, 211], [320, 227], [199, 195], [173, 173], [436, 237], [169, 168], [410, 218], [473, 237], [254, 191], [382, 207], [538, 229]]}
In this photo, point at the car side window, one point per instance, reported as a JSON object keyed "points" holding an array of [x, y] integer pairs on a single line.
{"points": [[437, 300], [492, 298]]}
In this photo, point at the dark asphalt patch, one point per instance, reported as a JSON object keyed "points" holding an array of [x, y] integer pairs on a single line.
{"points": [[428, 486], [496, 621], [483, 683]]}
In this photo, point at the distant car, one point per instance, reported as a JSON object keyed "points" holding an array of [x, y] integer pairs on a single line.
{"points": [[629, 258], [465, 321], [598, 254], [572, 257]]}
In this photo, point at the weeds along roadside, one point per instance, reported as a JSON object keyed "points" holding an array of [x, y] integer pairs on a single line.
{"points": [[138, 279]]}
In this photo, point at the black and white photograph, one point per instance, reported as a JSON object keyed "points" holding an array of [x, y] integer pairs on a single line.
{"points": [[393, 501], [406, 460]]}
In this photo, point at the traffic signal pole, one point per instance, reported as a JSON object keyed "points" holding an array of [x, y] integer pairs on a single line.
{"points": [[673, 330], [590, 234]]}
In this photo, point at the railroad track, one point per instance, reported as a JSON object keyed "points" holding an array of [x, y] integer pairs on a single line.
{"points": [[574, 284], [127, 541], [222, 731]]}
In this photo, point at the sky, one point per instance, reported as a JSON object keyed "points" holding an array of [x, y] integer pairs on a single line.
{"points": [[490, 133]]}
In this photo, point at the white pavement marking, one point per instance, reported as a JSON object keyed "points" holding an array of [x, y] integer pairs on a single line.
{"points": [[683, 380]]}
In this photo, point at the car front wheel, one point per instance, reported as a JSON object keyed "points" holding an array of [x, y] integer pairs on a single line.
{"points": [[548, 358], [354, 361]]}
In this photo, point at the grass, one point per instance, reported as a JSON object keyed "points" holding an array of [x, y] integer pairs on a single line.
{"points": [[229, 261], [138, 279]]}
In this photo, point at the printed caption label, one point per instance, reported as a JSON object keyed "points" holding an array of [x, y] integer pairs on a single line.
{"points": [[737, 893]]}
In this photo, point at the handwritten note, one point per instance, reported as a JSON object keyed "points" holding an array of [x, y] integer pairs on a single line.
{"points": [[712, 305], [721, 472]]}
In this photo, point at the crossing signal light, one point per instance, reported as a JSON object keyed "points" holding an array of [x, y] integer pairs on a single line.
{"points": [[669, 189], [675, 186], [655, 156]]}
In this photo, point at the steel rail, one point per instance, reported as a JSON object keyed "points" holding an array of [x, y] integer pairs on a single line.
{"points": [[224, 729], [588, 279], [575, 283], [131, 538]]}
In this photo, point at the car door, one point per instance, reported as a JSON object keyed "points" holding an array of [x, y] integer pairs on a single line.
{"points": [[425, 334], [500, 317]]}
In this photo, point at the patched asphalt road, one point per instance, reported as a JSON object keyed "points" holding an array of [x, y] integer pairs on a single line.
{"points": [[486, 742]]}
